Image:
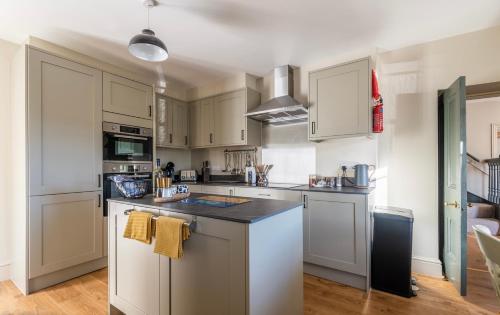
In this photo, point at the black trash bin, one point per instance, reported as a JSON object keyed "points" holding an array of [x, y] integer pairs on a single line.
{"points": [[391, 250]]}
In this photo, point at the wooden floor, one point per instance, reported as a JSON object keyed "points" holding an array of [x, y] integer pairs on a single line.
{"points": [[88, 295]]}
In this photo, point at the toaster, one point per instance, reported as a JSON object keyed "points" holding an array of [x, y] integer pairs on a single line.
{"points": [[188, 176]]}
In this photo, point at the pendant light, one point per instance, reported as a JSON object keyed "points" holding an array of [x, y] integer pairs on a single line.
{"points": [[147, 46]]}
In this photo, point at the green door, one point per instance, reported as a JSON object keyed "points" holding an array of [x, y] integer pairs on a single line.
{"points": [[455, 185]]}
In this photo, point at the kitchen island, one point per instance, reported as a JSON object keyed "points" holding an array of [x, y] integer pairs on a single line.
{"points": [[242, 259]]}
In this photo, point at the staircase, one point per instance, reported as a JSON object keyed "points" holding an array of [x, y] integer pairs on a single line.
{"points": [[482, 214]]}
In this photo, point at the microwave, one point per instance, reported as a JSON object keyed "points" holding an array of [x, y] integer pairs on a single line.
{"points": [[127, 143]]}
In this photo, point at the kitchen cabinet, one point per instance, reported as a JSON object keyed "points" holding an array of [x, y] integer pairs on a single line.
{"points": [[65, 230], [65, 125], [220, 120], [135, 264], [127, 97], [218, 190], [340, 101], [219, 249], [268, 193], [171, 122], [230, 121], [207, 122], [336, 236]]}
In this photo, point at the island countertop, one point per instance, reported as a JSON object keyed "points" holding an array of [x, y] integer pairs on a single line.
{"points": [[249, 212]]}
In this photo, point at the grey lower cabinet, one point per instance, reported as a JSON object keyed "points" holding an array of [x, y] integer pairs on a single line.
{"points": [[142, 282], [337, 237]]}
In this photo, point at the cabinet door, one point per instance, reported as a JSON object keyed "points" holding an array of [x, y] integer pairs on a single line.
{"points": [[335, 231], [218, 190], [266, 193], [65, 230], [65, 125], [339, 101], [180, 124], [164, 112], [207, 122], [210, 278], [135, 265], [230, 120], [127, 97], [195, 124]]}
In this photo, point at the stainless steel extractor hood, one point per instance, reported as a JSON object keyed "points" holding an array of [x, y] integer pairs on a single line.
{"points": [[282, 109]]}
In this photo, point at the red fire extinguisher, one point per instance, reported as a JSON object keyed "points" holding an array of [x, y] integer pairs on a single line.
{"points": [[378, 117], [378, 108]]}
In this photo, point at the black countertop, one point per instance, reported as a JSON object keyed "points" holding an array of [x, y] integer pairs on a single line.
{"points": [[339, 190], [249, 212]]}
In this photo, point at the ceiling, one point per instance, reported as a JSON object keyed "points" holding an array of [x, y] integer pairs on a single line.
{"points": [[213, 39]]}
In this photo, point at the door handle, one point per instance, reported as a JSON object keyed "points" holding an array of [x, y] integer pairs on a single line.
{"points": [[452, 204], [305, 201]]}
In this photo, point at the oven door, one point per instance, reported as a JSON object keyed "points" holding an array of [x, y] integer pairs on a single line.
{"points": [[120, 147]]}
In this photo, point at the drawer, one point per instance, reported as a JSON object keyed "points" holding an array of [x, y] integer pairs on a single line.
{"points": [[268, 193]]}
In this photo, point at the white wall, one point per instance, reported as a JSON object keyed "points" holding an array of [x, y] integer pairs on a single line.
{"points": [[481, 114], [7, 51], [407, 150]]}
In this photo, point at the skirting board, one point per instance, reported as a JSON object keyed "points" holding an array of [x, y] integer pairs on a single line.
{"points": [[4, 272], [427, 266]]}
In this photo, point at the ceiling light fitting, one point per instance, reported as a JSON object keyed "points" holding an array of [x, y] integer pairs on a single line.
{"points": [[147, 46]]}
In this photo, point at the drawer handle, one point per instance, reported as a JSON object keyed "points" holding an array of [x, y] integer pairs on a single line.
{"points": [[267, 195], [313, 127]]}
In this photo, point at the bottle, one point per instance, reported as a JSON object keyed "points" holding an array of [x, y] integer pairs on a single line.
{"points": [[250, 174]]}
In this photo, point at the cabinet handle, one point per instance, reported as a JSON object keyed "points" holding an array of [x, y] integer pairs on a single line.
{"points": [[170, 137], [313, 127], [186, 140], [306, 201], [230, 192], [242, 134], [211, 138], [150, 111], [99, 201], [99, 180], [266, 195]]}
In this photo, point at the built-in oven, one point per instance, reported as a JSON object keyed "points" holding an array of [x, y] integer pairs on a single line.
{"points": [[127, 143], [135, 170]]}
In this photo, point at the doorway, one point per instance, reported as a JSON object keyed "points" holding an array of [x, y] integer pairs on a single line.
{"points": [[481, 124]]}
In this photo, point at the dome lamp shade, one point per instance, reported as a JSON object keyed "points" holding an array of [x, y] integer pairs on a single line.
{"points": [[148, 47]]}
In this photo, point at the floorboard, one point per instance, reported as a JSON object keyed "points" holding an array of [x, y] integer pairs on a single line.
{"points": [[88, 295]]}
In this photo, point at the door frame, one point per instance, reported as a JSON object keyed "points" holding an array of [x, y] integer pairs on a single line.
{"points": [[477, 91]]}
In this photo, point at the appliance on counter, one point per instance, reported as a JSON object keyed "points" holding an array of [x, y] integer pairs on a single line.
{"points": [[392, 251], [127, 143], [362, 176], [205, 172], [282, 109], [139, 170], [127, 150], [188, 176]]}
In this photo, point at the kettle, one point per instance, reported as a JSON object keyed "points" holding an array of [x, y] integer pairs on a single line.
{"points": [[361, 175]]}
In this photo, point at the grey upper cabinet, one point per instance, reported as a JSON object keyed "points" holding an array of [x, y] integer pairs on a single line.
{"points": [[65, 125], [220, 120], [335, 231], [339, 101], [171, 122], [230, 118], [127, 97]]}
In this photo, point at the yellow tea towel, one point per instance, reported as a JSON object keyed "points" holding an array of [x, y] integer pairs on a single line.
{"points": [[139, 227], [170, 232]]}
